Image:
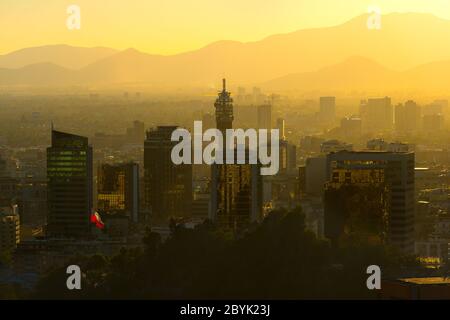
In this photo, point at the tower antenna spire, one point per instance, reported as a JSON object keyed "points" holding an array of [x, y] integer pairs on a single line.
{"points": [[224, 84]]}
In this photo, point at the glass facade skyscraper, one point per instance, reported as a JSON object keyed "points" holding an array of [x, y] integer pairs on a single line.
{"points": [[168, 187], [69, 174]]}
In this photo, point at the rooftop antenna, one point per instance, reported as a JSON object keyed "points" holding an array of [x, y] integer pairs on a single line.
{"points": [[224, 84]]}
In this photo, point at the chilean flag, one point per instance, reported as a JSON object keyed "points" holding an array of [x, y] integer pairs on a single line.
{"points": [[97, 220]]}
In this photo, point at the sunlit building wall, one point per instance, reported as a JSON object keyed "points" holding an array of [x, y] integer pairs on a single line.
{"points": [[377, 115], [407, 117], [118, 189], [399, 177], [327, 110], [9, 228]]}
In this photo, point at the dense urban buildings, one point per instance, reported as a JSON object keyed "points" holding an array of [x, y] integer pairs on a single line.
{"points": [[351, 202], [386, 188]]}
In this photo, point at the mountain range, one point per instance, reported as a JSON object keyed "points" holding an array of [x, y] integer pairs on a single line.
{"points": [[63, 55], [410, 51], [362, 74]]}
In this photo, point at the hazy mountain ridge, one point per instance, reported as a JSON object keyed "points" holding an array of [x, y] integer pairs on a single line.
{"points": [[63, 55], [416, 39], [355, 73]]}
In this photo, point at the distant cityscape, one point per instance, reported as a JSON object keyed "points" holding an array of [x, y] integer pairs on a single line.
{"points": [[383, 173], [213, 152]]}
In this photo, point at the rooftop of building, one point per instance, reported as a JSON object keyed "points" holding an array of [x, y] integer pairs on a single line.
{"points": [[161, 131], [427, 281], [67, 140], [370, 155], [362, 152]]}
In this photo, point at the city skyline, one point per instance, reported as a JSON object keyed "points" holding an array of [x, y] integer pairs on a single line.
{"points": [[273, 150]]}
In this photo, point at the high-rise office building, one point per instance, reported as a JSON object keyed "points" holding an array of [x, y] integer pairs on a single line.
{"points": [[436, 107], [433, 123], [315, 175], [167, 186], [351, 127], [9, 228], [287, 150], [69, 197], [377, 115], [356, 202], [407, 117], [8, 190], [265, 117], [291, 157], [3, 167], [32, 201], [327, 111], [118, 190], [258, 97], [236, 189], [281, 128], [287, 156], [283, 155], [236, 198], [371, 192], [136, 133]]}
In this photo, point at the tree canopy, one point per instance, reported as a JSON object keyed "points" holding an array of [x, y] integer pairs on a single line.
{"points": [[276, 259]]}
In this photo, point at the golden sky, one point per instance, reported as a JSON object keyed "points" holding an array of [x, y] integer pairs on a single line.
{"points": [[173, 26]]}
